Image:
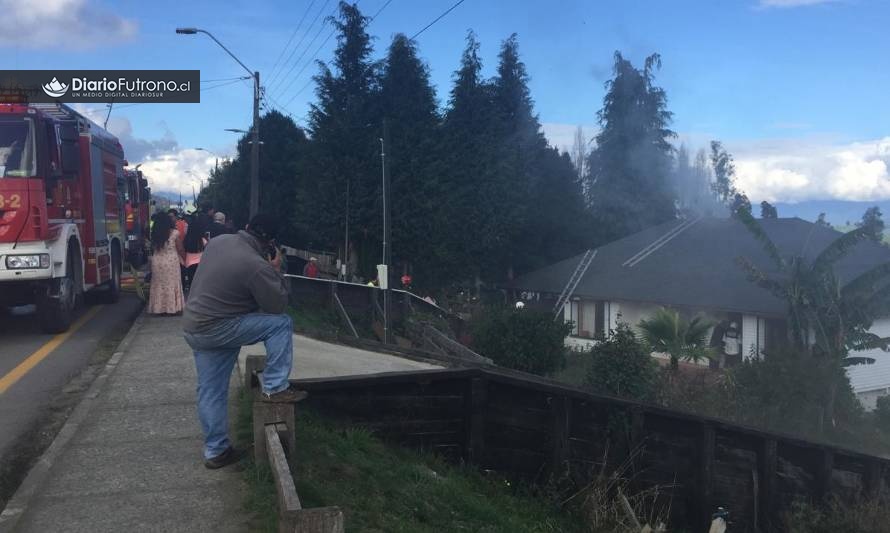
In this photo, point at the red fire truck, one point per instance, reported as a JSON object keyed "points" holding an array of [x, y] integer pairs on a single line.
{"points": [[137, 209], [61, 210]]}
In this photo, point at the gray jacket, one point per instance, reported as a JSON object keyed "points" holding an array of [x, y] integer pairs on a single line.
{"points": [[234, 278]]}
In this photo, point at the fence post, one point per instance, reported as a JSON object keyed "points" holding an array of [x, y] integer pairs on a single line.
{"points": [[560, 420], [266, 413], [706, 451], [475, 400], [824, 468], [253, 365], [874, 478], [767, 463]]}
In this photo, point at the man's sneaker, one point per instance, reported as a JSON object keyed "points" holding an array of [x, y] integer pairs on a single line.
{"points": [[226, 458], [288, 395]]}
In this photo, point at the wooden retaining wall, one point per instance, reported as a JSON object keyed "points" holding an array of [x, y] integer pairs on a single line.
{"points": [[531, 428]]}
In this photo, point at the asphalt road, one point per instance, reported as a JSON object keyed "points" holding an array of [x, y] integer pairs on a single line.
{"points": [[42, 375]]}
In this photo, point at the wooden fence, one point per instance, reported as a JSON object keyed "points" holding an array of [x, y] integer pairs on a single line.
{"points": [[525, 427], [274, 435]]}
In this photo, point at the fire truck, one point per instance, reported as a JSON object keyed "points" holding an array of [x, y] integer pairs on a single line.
{"points": [[137, 208], [62, 191]]}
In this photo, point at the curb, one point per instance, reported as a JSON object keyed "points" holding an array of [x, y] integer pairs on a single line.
{"points": [[18, 504]]}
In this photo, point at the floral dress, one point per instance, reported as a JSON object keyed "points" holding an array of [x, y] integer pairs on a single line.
{"points": [[165, 296]]}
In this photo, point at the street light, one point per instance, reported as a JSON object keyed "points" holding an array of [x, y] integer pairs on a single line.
{"points": [[255, 145]]}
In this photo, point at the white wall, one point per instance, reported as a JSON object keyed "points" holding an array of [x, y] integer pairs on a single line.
{"points": [[868, 399]]}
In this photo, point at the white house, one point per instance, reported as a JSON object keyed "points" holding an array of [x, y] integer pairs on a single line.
{"points": [[691, 266]]}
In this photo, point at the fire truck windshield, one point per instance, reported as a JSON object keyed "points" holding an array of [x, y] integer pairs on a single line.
{"points": [[17, 149]]}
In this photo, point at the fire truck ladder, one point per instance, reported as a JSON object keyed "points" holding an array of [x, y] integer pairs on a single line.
{"points": [[569, 289]]}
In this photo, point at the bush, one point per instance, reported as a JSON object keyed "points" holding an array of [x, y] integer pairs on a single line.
{"points": [[522, 339], [622, 366], [882, 413]]}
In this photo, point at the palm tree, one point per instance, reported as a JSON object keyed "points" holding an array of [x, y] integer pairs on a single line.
{"points": [[667, 332], [826, 318]]}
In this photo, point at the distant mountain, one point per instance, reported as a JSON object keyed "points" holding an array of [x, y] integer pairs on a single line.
{"points": [[837, 212]]}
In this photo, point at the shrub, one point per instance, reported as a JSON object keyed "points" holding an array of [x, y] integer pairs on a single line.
{"points": [[882, 413], [522, 339], [622, 366]]}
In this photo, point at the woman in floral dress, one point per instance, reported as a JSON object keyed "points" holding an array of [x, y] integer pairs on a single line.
{"points": [[166, 285]]}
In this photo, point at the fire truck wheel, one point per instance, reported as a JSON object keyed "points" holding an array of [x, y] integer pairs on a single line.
{"points": [[56, 313], [112, 292]]}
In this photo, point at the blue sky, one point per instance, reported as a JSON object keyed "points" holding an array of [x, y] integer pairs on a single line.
{"points": [[796, 89]]}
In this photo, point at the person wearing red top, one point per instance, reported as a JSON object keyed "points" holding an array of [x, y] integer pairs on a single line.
{"points": [[311, 269]]}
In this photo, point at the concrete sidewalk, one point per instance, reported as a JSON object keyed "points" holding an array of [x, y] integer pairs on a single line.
{"points": [[129, 457]]}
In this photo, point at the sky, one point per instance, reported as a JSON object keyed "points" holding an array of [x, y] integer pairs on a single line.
{"points": [[795, 89]]}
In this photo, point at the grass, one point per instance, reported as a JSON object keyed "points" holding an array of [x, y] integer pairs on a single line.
{"points": [[387, 489]]}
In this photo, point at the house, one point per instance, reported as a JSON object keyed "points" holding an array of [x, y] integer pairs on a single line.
{"points": [[690, 266]]}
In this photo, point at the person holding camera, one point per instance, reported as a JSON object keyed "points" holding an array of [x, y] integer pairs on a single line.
{"points": [[238, 297]]}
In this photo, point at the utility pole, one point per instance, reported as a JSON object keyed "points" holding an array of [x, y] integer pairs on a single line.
{"points": [[387, 253], [255, 149]]}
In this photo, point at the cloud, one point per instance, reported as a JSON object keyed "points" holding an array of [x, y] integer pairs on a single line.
{"points": [[791, 3], [63, 24], [168, 166], [562, 136], [792, 171]]}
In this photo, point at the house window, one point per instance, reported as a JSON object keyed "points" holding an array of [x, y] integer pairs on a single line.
{"points": [[588, 317], [599, 327], [774, 336]]}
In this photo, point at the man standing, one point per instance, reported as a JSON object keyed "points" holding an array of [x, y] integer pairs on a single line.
{"points": [[218, 226], [238, 297]]}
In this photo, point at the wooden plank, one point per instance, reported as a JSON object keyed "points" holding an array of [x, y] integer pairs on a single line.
{"points": [[288, 501], [475, 400]]}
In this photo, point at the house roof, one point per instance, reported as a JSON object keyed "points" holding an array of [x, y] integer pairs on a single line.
{"points": [[693, 264]]}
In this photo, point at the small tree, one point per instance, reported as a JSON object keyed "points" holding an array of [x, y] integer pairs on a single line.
{"points": [[622, 366], [521, 339], [667, 332]]}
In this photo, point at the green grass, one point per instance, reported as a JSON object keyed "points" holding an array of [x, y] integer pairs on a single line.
{"points": [[388, 489], [313, 320]]}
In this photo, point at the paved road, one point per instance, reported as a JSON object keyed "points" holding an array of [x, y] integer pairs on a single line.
{"points": [[37, 369]]}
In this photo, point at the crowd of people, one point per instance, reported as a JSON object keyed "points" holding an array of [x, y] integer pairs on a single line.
{"points": [[178, 240]]}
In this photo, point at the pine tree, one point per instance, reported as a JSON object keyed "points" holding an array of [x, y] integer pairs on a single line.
{"points": [[468, 149], [630, 168], [345, 130], [874, 219], [408, 103], [768, 210]]}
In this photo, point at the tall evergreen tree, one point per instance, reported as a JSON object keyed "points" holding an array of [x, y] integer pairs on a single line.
{"points": [[630, 168], [408, 102], [345, 125], [468, 149]]}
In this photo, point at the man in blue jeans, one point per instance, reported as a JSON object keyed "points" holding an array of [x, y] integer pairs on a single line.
{"points": [[238, 297]]}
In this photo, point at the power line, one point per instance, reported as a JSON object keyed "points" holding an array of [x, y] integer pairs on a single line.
{"points": [[291, 38], [328, 38], [297, 62], [437, 19], [277, 79]]}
